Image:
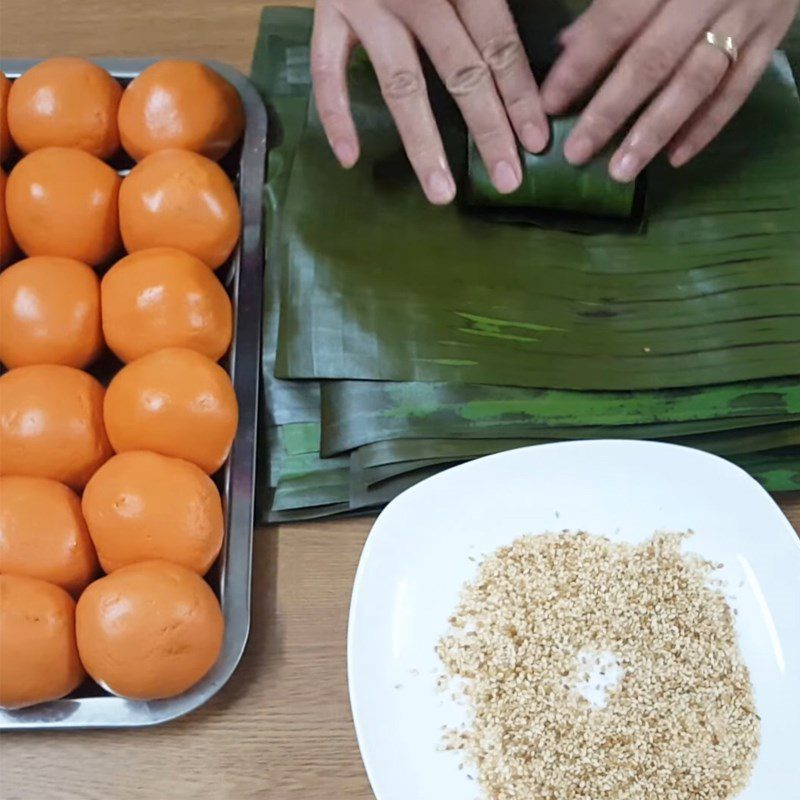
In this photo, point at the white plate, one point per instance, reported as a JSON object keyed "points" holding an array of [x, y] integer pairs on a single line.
{"points": [[419, 552]]}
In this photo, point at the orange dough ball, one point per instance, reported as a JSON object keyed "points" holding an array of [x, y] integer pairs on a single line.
{"points": [[8, 247], [63, 202], [180, 104], [38, 654], [142, 506], [43, 534], [65, 102], [6, 145], [175, 402], [51, 424], [165, 298], [49, 313], [174, 198], [149, 630]]}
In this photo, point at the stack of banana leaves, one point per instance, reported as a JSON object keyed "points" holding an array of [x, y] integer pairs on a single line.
{"points": [[400, 339]]}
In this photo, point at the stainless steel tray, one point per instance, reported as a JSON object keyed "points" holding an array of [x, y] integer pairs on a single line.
{"points": [[90, 706]]}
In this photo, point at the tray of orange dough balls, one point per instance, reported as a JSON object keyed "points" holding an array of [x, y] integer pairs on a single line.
{"points": [[131, 249]]}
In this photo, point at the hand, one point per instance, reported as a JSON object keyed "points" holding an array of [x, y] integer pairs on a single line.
{"points": [[474, 47], [683, 89]]}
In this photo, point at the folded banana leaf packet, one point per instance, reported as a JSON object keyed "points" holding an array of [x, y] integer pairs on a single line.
{"points": [[555, 193], [400, 338]]}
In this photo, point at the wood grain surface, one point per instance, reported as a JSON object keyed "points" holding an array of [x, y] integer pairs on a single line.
{"points": [[281, 729]]}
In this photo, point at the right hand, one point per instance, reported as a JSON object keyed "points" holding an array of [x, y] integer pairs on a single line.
{"points": [[476, 50]]}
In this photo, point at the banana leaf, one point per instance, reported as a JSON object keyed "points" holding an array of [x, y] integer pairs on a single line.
{"points": [[381, 286], [288, 441], [355, 413], [308, 513], [397, 452], [551, 184], [364, 496], [303, 480], [653, 431], [281, 71], [373, 476], [403, 451], [321, 483], [777, 471], [727, 444]]}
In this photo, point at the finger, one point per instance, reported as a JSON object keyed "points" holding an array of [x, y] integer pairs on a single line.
{"points": [[707, 123], [644, 67], [469, 81], [393, 53], [591, 44], [693, 83], [492, 28], [332, 43]]}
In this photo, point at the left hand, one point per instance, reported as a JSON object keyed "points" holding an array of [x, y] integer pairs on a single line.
{"points": [[683, 89]]}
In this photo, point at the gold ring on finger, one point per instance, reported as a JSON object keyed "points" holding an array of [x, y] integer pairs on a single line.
{"points": [[724, 44]]}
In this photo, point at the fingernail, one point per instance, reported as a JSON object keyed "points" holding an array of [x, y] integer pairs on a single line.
{"points": [[626, 168], [578, 149], [441, 187], [534, 138], [506, 178], [346, 152], [680, 157]]}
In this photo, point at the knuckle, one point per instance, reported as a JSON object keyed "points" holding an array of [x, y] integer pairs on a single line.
{"points": [[651, 63], [653, 139], [467, 79], [602, 122], [323, 73], [403, 8], [330, 118], [321, 66], [572, 79], [401, 84], [320, 70], [504, 53], [423, 155], [520, 105], [612, 22], [492, 138]]}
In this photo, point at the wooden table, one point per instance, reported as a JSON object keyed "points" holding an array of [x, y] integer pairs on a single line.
{"points": [[281, 729]]}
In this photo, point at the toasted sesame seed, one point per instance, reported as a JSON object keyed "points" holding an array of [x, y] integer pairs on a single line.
{"points": [[679, 723]]}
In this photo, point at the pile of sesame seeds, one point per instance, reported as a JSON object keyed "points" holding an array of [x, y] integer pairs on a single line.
{"points": [[550, 615]]}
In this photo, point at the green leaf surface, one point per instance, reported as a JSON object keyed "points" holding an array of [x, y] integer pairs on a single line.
{"points": [[777, 472], [550, 183], [379, 285], [280, 71], [355, 413], [392, 457]]}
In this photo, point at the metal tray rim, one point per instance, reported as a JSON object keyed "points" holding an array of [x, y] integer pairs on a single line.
{"points": [[106, 712]]}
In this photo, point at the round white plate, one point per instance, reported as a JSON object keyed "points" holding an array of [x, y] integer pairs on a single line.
{"points": [[429, 541]]}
